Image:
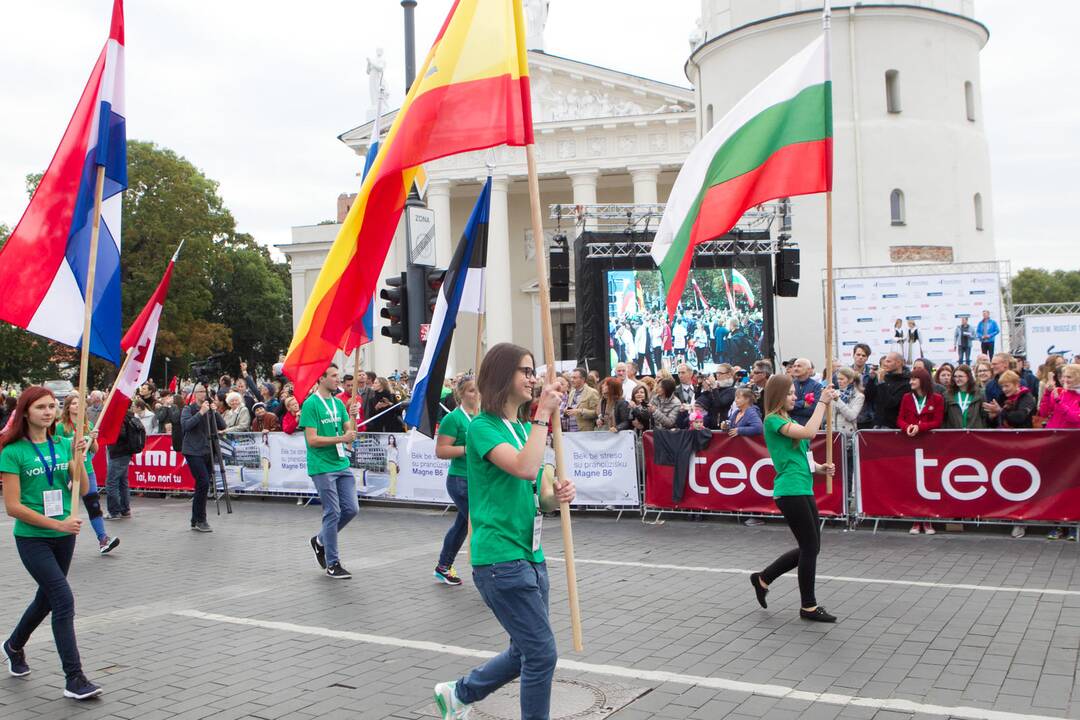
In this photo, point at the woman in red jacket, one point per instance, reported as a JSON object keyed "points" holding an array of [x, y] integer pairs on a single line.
{"points": [[921, 410]]}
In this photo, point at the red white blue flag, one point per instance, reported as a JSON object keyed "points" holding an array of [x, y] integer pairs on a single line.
{"points": [[45, 263]]}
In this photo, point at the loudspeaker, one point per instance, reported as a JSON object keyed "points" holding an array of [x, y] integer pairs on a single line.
{"points": [[559, 272], [787, 272]]}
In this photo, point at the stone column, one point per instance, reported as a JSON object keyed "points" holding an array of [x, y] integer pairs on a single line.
{"points": [[584, 183], [499, 321], [644, 178], [438, 199], [299, 293]]}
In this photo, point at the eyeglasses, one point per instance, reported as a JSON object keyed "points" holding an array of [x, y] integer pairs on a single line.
{"points": [[527, 371]]}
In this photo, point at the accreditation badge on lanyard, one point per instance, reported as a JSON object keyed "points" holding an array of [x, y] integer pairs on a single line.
{"points": [[538, 518], [331, 412], [52, 501]]}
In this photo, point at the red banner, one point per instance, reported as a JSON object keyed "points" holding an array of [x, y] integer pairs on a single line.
{"points": [[157, 467], [993, 474], [735, 474]]}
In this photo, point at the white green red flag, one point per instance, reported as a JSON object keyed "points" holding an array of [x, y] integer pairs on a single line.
{"points": [[776, 142], [740, 284]]}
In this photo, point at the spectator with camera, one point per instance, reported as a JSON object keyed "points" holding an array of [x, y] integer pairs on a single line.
{"points": [[848, 406], [717, 396], [640, 414]]}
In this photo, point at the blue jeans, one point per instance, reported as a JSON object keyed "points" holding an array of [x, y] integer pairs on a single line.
{"points": [[458, 487], [47, 559], [117, 494], [337, 493], [97, 523], [517, 592]]}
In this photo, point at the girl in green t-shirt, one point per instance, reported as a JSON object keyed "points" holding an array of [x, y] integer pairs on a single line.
{"points": [[65, 428], [507, 495], [793, 491], [37, 469], [450, 445]]}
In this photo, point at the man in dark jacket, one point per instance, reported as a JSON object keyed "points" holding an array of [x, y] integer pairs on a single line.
{"points": [[807, 390], [717, 396], [887, 388], [117, 493], [197, 451]]}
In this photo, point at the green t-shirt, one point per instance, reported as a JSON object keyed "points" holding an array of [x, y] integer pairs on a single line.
{"points": [[328, 417], [502, 507], [63, 432], [456, 425], [793, 475], [20, 458]]}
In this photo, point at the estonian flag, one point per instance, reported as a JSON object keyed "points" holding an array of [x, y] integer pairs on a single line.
{"points": [[462, 291]]}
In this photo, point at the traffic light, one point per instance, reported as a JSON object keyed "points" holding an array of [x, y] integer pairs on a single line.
{"points": [[396, 311], [433, 280]]}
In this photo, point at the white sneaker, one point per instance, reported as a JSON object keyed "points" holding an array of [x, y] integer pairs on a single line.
{"points": [[1018, 531], [929, 529], [914, 529], [450, 707]]}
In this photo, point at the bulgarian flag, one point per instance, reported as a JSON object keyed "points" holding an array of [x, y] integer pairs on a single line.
{"points": [[740, 284], [776, 142]]}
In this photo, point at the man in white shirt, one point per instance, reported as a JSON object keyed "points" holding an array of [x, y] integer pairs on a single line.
{"points": [[623, 372]]}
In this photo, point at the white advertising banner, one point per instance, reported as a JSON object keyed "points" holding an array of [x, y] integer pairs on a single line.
{"points": [[1051, 335], [867, 310], [404, 467]]}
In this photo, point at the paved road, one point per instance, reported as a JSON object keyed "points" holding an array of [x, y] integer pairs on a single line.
{"points": [[241, 624]]}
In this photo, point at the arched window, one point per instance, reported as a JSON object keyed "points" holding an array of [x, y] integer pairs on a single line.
{"points": [[708, 118], [969, 100], [978, 211], [892, 90], [896, 207]]}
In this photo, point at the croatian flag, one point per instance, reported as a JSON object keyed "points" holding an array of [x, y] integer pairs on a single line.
{"points": [[462, 291], [138, 343], [44, 265]]}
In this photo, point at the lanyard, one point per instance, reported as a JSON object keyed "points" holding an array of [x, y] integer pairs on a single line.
{"points": [[513, 431], [49, 470], [920, 405], [965, 403], [331, 409], [468, 417]]}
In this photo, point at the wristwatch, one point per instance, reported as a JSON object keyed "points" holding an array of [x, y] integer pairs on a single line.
{"points": [[541, 423]]}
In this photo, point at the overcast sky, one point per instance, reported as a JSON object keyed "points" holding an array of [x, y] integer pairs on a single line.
{"points": [[255, 94]]}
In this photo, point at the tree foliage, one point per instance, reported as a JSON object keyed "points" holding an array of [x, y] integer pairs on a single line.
{"points": [[1033, 285], [227, 295]]}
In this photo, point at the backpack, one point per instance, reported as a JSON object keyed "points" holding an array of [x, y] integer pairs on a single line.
{"points": [[136, 434]]}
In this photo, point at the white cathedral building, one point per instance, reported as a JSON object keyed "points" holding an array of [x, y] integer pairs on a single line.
{"points": [[911, 163]]}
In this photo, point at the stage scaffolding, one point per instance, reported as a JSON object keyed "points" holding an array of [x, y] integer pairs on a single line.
{"points": [[1020, 311]]}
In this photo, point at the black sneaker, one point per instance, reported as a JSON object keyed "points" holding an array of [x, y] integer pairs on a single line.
{"points": [[817, 615], [338, 573], [202, 527], [16, 661], [320, 551], [79, 688], [758, 590], [446, 575]]}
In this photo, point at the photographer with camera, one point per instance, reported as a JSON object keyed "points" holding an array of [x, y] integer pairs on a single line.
{"points": [[196, 420]]}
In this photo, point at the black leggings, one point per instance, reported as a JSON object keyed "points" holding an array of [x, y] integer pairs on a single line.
{"points": [[801, 514]]}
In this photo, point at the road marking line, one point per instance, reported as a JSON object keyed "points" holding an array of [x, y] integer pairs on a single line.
{"points": [[841, 578], [657, 676]]}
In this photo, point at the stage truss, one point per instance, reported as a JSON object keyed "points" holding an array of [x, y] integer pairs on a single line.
{"points": [[1022, 310]]}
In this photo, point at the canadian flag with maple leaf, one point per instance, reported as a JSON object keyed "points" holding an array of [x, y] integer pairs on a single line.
{"points": [[138, 343]]}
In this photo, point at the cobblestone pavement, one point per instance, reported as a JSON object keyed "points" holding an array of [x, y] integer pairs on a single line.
{"points": [[241, 623]]}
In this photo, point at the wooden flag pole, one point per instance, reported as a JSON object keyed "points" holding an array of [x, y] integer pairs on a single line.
{"points": [[826, 22], [116, 383], [828, 335], [84, 360], [549, 359]]}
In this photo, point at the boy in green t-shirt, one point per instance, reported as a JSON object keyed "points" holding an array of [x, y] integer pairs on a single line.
{"points": [[329, 434]]}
